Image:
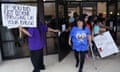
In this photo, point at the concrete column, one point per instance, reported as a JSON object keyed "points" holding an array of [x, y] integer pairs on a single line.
{"points": [[40, 11]]}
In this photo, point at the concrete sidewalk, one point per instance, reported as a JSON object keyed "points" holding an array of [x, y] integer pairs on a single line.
{"points": [[110, 64]]}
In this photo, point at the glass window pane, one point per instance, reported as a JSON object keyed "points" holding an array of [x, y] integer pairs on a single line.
{"points": [[50, 20], [12, 46], [101, 8], [118, 25], [49, 9]]}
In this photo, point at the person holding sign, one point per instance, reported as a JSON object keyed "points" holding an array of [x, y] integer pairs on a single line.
{"points": [[36, 42], [79, 39]]}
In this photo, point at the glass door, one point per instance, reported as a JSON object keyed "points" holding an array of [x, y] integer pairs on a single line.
{"points": [[61, 12], [89, 8], [112, 19], [11, 45]]}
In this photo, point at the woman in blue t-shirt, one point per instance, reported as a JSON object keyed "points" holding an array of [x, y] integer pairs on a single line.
{"points": [[79, 39]]}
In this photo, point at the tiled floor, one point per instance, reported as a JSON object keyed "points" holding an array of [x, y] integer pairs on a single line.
{"points": [[110, 64]]}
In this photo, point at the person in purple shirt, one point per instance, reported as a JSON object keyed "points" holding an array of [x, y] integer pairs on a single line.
{"points": [[36, 43]]}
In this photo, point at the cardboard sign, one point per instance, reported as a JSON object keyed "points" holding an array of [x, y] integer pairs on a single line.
{"points": [[105, 44], [14, 15]]}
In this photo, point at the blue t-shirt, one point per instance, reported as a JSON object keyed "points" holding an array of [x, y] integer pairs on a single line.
{"points": [[80, 38]]}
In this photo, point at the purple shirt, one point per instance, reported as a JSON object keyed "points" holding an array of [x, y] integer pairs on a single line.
{"points": [[37, 41]]}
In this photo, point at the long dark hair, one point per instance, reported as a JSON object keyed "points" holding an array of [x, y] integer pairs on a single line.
{"points": [[81, 18]]}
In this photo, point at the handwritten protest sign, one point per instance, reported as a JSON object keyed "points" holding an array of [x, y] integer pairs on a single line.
{"points": [[14, 15], [105, 44]]}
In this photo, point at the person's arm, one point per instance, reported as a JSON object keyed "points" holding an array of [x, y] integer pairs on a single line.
{"points": [[109, 28], [90, 39], [69, 41], [68, 29], [24, 31], [102, 30], [53, 30], [92, 35], [70, 37]]}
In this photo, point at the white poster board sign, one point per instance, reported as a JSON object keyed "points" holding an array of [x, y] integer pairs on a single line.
{"points": [[105, 44], [14, 15]]}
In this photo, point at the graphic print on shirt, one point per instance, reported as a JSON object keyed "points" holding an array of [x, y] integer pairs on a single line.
{"points": [[80, 36]]}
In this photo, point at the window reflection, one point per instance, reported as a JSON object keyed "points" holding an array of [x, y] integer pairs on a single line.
{"points": [[11, 43]]}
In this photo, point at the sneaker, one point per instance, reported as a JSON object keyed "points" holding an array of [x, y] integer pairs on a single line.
{"points": [[97, 57], [36, 71], [77, 64], [80, 70], [42, 67]]}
